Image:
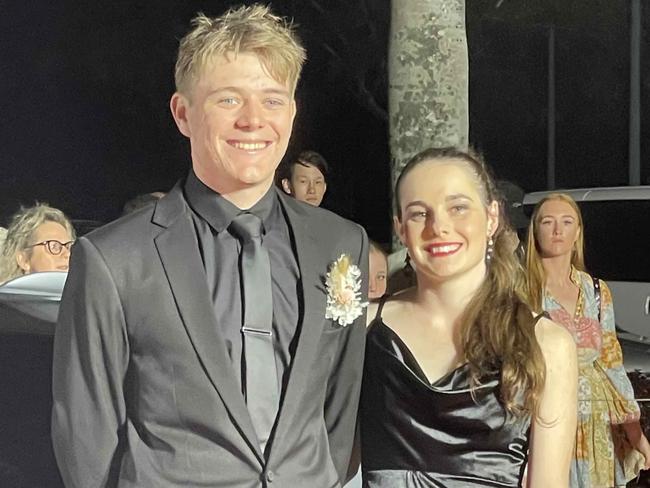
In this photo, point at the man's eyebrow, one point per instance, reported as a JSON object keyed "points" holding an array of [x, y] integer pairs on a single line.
{"points": [[458, 196], [277, 91], [270, 90], [416, 203]]}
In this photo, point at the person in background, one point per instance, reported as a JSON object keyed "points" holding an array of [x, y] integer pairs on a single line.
{"points": [[305, 178], [377, 272], [400, 271], [38, 239], [512, 198], [141, 201], [610, 445], [463, 386]]}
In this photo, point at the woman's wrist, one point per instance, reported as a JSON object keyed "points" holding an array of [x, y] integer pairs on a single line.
{"points": [[633, 432]]}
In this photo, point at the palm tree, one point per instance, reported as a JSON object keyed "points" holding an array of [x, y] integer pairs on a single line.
{"points": [[427, 77]]}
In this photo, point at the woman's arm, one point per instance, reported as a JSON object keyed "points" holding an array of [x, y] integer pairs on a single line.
{"points": [[636, 437], [611, 359], [553, 428]]}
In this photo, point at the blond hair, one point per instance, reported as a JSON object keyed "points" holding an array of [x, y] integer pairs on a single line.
{"points": [[20, 234], [536, 275], [375, 247], [254, 29], [498, 328]]}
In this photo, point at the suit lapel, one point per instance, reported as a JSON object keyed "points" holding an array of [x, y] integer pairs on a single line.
{"points": [[178, 250], [312, 272]]}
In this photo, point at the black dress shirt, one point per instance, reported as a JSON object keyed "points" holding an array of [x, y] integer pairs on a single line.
{"points": [[212, 215]]}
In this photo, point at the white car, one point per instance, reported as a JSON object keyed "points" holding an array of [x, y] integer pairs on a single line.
{"points": [[617, 239], [30, 303], [28, 309]]}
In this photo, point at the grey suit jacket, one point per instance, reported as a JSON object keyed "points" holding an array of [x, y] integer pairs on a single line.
{"points": [[144, 393]]}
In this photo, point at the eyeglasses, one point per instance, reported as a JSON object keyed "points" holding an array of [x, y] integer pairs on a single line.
{"points": [[53, 246]]}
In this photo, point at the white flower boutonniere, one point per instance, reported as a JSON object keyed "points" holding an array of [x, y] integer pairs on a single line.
{"points": [[343, 283]]}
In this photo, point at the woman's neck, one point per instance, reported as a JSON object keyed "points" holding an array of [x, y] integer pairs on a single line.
{"points": [[446, 300], [558, 271]]}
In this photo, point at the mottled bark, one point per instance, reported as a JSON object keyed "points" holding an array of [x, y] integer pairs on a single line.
{"points": [[428, 77]]}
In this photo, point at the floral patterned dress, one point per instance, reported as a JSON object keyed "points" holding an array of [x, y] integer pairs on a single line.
{"points": [[605, 395]]}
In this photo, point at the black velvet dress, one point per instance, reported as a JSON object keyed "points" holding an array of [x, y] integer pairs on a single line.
{"points": [[420, 435]]}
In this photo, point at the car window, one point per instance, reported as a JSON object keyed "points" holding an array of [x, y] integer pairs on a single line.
{"points": [[617, 237]]}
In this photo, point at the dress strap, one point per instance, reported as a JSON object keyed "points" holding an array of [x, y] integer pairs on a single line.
{"points": [[544, 314], [380, 307]]}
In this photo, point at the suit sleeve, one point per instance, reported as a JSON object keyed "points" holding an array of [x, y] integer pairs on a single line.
{"points": [[344, 384], [90, 362]]}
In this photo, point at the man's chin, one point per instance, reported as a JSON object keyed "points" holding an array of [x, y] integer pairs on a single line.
{"points": [[256, 179], [255, 173], [234, 179]]}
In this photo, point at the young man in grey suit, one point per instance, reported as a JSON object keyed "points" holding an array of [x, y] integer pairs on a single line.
{"points": [[201, 341]]}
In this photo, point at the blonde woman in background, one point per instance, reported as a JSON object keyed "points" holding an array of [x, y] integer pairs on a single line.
{"points": [[38, 239], [608, 417]]}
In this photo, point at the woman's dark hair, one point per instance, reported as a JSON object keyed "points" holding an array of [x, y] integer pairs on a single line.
{"points": [[498, 331]]}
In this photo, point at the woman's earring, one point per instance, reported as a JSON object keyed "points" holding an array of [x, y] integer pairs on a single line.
{"points": [[490, 249]]}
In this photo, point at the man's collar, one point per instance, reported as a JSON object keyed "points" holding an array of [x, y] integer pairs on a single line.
{"points": [[219, 212]]}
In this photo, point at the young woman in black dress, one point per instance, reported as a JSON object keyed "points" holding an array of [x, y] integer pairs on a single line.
{"points": [[463, 385]]}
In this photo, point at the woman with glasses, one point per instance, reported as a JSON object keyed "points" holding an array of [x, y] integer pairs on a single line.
{"points": [[38, 239]]}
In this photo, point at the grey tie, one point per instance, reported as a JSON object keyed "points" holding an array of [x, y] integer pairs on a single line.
{"points": [[261, 383]]}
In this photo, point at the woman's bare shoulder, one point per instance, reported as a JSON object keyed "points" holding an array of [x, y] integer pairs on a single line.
{"points": [[397, 301], [371, 312], [393, 306]]}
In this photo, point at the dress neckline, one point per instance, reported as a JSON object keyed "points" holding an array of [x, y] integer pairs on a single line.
{"points": [[411, 363], [578, 311]]}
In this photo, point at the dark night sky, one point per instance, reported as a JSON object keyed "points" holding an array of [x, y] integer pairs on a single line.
{"points": [[85, 87]]}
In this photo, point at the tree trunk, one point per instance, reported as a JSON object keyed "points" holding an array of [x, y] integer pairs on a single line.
{"points": [[427, 77]]}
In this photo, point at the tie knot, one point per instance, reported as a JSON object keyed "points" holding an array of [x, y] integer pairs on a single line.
{"points": [[246, 226]]}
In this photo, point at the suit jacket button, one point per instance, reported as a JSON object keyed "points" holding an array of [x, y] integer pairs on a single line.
{"points": [[269, 476]]}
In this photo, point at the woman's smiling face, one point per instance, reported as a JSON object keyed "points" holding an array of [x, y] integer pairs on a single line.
{"points": [[444, 220]]}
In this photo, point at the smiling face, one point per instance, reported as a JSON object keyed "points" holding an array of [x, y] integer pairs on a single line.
{"points": [[445, 224], [307, 184], [557, 228], [37, 258], [239, 120]]}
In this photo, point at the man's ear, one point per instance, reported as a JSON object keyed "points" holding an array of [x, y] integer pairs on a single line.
{"points": [[324, 187], [286, 186], [23, 261], [179, 105]]}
